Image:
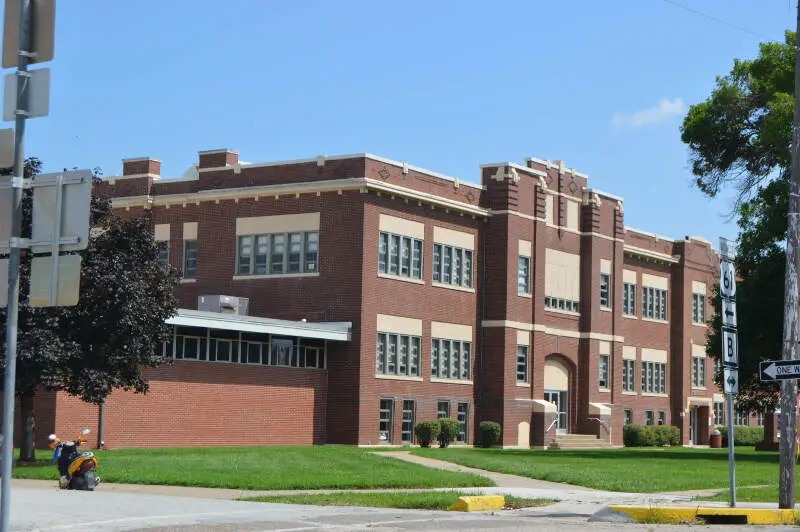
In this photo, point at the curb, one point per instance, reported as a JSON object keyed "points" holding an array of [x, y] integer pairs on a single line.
{"points": [[478, 503], [711, 516]]}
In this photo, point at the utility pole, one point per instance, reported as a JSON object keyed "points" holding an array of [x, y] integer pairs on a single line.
{"points": [[13, 267], [791, 324]]}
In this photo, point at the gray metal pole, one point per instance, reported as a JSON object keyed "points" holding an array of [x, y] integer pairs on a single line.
{"points": [[791, 324], [13, 270], [731, 454]]}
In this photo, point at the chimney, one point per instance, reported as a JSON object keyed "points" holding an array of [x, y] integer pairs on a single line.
{"points": [[218, 158], [141, 166]]}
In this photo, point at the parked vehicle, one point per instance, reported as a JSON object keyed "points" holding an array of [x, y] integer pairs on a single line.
{"points": [[77, 471]]}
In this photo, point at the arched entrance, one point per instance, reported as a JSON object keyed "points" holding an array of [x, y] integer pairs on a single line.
{"points": [[556, 391]]}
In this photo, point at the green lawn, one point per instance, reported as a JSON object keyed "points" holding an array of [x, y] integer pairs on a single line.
{"points": [[639, 470], [422, 500], [768, 494], [261, 468]]}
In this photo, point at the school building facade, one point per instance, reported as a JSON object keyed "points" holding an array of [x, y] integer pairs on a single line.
{"points": [[342, 299]]}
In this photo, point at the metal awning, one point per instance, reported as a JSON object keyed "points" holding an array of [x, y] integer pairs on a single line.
{"points": [[340, 331]]}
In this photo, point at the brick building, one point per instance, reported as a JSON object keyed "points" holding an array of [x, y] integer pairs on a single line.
{"points": [[380, 294]]}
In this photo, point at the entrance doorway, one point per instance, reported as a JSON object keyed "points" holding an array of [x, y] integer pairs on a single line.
{"points": [[693, 425], [559, 398]]}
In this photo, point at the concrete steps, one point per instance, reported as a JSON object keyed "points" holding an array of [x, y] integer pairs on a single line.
{"points": [[578, 442]]}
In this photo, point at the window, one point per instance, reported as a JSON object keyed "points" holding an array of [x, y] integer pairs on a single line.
{"points": [[654, 377], [279, 253], [194, 343], [760, 419], [400, 255], [654, 303], [442, 409], [629, 299], [718, 369], [409, 420], [662, 417], [451, 359], [524, 276], [397, 354], [163, 252], [463, 421], [648, 417], [559, 303], [628, 372], [522, 363], [452, 265], [603, 372], [605, 290], [719, 413], [385, 420], [741, 416], [189, 259], [698, 372], [628, 416], [699, 309]]}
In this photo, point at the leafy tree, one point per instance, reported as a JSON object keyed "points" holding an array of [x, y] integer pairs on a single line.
{"points": [[116, 328], [740, 137]]}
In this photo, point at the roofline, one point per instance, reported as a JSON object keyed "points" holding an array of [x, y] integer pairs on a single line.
{"points": [[648, 233], [339, 331]]}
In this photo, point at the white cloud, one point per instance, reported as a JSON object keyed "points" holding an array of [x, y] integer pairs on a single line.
{"points": [[662, 112]]}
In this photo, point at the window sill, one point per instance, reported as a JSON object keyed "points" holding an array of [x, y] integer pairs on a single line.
{"points": [[273, 276], [700, 324], [606, 309], [628, 393], [523, 385], [701, 388], [651, 394], [654, 320], [400, 278], [525, 295], [451, 381], [398, 378], [630, 316], [452, 287], [603, 390], [186, 281], [564, 312]]}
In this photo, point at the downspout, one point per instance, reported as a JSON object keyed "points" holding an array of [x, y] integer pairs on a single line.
{"points": [[101, 425]]}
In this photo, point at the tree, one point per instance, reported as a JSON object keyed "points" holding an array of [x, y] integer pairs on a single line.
{"points": [[117, 327], [740, 137]]}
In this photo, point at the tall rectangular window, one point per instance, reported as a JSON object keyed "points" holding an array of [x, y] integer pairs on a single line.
{"points": [[628, 416], [163, 252], [399, 255], [648, 417], [409, 420], [654, 303], [719, 413], [463, 421], [629, 299], [603, 372], [522, 363], [277, 253], [741, 416], [654, 377], [397, 354], [628, 372], [452, 265], [699, 309], [524, 276], [698, 372], [442, 409], [190, 259], [662, 417], [451, 359], [605, 290], [385, 420]]}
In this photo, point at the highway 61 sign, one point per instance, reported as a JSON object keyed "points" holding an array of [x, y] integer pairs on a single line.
{"points": [[727, 286]]}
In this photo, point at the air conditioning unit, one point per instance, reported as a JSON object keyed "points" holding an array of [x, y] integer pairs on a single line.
{"points": [[223, 304]]}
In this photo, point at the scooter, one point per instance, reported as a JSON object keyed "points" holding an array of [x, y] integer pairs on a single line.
{"points": [[77, 471]]}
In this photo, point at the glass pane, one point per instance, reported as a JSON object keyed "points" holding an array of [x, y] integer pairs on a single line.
{"points": [[189, 258], [295, 252], [447, 264], [262, 252], [414, 362], [278, 252], [466, 361], [458, 256], [437, 262], [394, 255], [435, 358], [405, 257], [380, 353], [312, 253], [253, 353], [416, 260], [403, 365], [391, 366], [468, 268], [383, 250]]}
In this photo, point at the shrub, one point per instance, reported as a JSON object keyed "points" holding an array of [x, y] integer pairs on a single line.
{"points": [[743, 435], [490, 433], [650, 435], [426, 432], [449, 429]]}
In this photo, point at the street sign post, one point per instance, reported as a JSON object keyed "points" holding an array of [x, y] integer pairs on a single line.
{"points": [[779, 370], [730, 344], [28, 37]]}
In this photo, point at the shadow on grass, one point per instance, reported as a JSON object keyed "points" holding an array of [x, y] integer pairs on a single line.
{"points": [[746, 454]]}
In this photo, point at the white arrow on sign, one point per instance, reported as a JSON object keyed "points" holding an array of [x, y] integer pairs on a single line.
{"points": [[727, 279], [731, 380]]}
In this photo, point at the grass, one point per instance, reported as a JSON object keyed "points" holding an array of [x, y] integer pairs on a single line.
{"points": [[643, 470], [261, 468], [760, 494], [421, 500]]}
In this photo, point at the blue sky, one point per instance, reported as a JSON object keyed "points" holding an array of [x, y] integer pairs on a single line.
{"points": [[443, 84]]}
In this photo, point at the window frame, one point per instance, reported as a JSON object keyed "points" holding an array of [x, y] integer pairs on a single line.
{"points": [[412, 262], [463, 424], [444, 265], [605, 291], [523, 361], [384, 421], [387, 358], [629, 375], [451, 357], [629, 299], [699, 304], [654, 303], [603, 372], [251, 265], [190, 273], [524, 275], [408, 424]]}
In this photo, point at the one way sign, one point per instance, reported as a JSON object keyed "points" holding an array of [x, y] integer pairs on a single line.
{"points": [[780, 370]]}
